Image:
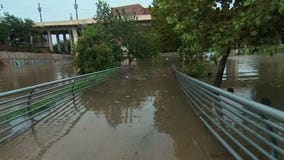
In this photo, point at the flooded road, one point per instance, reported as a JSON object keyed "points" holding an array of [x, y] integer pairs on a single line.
{"points": [[14, 77], [257, 77], [142, 114]]}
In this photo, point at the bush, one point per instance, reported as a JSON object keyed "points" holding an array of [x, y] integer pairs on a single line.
{"points": [[96, 50], [194, 69], [35, 50]]}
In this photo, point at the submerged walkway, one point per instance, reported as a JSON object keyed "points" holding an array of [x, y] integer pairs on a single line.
{"points": [[141, 115]]}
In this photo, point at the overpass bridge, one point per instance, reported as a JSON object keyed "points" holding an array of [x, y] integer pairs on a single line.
{"points": [[71, 29], [164, 115]]}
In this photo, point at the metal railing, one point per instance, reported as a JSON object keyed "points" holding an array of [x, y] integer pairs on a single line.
{"points": [[247, 129], [21, 108]]}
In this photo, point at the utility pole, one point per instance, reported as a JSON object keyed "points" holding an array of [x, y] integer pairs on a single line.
{"points": [[76, 9], [39, 10]]}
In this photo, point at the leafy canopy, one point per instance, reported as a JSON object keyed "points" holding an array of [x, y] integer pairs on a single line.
{"points": [[14, 29], [101, 44], [97, 50], [223, 26]]}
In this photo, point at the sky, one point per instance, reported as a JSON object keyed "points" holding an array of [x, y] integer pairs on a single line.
{"points": [[55, 10]]}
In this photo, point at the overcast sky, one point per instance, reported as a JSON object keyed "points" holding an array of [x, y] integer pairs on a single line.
{"points": [[53, 10]]}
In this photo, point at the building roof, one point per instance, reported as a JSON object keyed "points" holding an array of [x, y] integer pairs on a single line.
{"points": [[134, 9]]}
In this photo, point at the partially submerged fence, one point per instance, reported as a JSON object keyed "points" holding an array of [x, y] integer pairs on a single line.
{"points": [[247, 129], [21, 108]]}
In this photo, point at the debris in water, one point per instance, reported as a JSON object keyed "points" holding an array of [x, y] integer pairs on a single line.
{"points": [[117, 102]]}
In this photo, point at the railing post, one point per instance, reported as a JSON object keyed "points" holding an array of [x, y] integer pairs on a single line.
{"points": [[73, 94], [29, 105]]}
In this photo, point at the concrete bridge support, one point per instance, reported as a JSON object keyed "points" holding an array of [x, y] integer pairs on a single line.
{"points": [[58, 43], [50, 41], [75, 35], [65, 43]]}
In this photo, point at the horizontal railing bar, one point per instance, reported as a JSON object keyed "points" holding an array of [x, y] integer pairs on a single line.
{"points": [[221, 128], [247, 120], [49, 96], [223, 142], [247, 112], [29, 111], [53, 82], [266, 110], [65, 91], [29, 117], [38, 102], [240, 134], [26, 98], [207, 98], [11, 135], [273, 146]]}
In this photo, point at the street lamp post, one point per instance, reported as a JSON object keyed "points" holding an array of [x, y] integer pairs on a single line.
{"points": [[39, 10], [76, 9]]}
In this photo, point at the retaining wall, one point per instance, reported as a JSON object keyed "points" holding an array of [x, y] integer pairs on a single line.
{"points": [[20, 58]]}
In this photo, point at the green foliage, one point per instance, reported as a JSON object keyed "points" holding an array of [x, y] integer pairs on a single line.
{"points": [[223, 26], [4, 33], [35, 50], [101, 45], [138, 40], [168, 40], [194, 69], [96, 50], [104, 14], [14, 29]]}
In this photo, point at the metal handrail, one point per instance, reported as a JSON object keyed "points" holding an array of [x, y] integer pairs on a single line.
{"points": [[247, 129], [17, 107]]}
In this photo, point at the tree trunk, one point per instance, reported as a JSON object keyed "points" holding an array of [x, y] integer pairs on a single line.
{"points": [[130, 59], [221, 68]]}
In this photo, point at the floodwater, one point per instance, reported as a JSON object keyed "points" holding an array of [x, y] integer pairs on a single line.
{"points": [[14, 77], [141, 114], [256, 77]]}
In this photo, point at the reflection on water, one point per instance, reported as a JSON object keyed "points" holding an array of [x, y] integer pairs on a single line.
{"points": [[256, 77], [13, 77], [140, 115], [34, 141]]}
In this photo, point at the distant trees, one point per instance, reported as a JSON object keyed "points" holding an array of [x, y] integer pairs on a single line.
{"points": [[112, 39], [223, 26], [15, 30]]}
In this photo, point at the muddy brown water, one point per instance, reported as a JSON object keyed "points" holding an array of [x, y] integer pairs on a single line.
{"points": [[256, 77], [14, 77], [141, 114]]}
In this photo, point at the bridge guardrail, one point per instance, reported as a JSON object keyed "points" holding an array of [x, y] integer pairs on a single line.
{"points": [[247, 129], [26, 106]]}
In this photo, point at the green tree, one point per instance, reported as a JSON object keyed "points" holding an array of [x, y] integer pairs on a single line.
{"points": [[104, 14], [223, 26], [4, 33], [137, 40], [169, 41], [96, 50], [101, 45], [16, 30]]}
